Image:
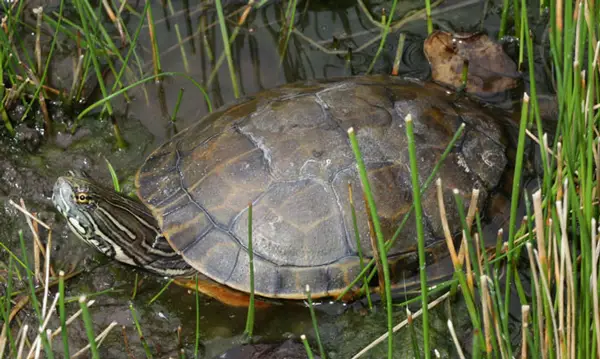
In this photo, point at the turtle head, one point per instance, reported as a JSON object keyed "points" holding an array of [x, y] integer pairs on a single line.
{"points": [[76, 198], [117, 226]]}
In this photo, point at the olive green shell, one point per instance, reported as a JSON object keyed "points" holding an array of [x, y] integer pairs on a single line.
{"points": [[287, 152]]}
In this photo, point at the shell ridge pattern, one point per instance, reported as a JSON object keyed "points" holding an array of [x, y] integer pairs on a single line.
{"points": [[348, 236], [214, 223], [170, 198], [234, 266], [202, 143], [329, 117], [469, 125], [460, 148], [258, 255], [259, 143]]}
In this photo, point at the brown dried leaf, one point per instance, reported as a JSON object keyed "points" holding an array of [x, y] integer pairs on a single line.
{"points": [[490, 70]]}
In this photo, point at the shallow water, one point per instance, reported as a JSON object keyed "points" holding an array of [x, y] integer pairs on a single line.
{"points": [[144, 123]]}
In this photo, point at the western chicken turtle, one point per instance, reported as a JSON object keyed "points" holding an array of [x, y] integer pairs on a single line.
{"points": [[286, 151]]}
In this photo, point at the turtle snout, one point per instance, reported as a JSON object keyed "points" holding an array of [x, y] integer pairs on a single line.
{"points": [[62, 194]]}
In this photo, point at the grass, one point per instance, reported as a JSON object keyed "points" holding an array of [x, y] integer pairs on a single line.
{"points": [[416, 185], [381, 250], [557, 241]]}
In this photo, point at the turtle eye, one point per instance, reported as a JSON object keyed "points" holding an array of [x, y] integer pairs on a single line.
{"points": [[82, 198]]}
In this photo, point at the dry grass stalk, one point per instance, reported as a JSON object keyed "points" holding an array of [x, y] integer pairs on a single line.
{"points": [[559, 15], [469, 272], [375, 249], [590, 88], [77, 66], [99, 339], [445, 226], [47, 334], [37, 343], [37, 244], [126, 342], [472, 208], [461, 355], [461, 254], [524, 329], [539, 230], [29, 215], [538, 295], [70, 320], [2, 342], [578, 12], [116, 21], [152, 41], [47, 272], [499, 334], [477, 241], [246, 12], [565, 280], [559, 170], [38, 12], [543, 144], [551, 331], [485, 305], [22, 342]]}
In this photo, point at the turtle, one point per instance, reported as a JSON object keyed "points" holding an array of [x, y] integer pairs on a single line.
{"points": [[286, 152]]}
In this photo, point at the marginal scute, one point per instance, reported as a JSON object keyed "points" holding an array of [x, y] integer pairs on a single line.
{"points": [[286, 151], [293, 281], [215, 254], [268, 281]]}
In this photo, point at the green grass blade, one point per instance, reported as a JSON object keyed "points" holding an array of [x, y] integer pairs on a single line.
{"points": [[113, 176], [385, 31], [359, 246], [177, 104], [89, 327], [138, 327], [414, 174], [313, 318], [106, 99], [162, 290], [309, 352], [227, 48], [404, 220], [364, 179], [516, 192], [63, 313]]}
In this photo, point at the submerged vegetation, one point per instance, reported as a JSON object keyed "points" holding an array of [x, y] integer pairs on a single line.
{"points": [[542, 273]]}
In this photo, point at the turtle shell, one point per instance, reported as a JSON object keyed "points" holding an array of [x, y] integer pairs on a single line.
{"points": [[287, 152]]}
